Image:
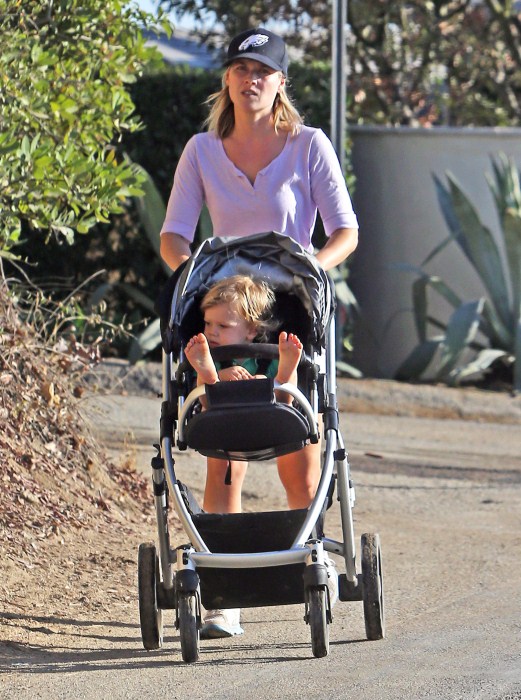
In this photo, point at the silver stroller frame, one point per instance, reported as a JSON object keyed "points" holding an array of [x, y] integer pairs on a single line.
{"points": [[160, 588]]}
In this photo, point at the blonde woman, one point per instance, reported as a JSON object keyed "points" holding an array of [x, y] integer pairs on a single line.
{"points": [[258, 168]]}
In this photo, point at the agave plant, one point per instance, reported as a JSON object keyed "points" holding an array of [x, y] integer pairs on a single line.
{"points": [[496, 316]]}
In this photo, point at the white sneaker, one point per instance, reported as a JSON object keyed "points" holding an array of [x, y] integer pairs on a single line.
{"points": [[332, 580], [221, 623]]}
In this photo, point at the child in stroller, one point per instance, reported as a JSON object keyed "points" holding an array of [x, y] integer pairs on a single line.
{"points": [[253, 559], [238, 310]]}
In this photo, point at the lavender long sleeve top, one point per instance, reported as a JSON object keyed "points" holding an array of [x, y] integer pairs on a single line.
{"points": [[303, 178]]}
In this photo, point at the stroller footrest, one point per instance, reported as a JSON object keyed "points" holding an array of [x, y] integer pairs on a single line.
{"points": [[235, 533]]}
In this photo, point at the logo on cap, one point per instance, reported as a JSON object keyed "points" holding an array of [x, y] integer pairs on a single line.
{"points": [[254, 40]]}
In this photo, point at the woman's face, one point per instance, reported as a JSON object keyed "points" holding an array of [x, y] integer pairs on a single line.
{"points": [[224, 326], [252, 85]]}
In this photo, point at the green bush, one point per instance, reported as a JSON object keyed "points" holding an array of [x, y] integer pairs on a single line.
{"points": [[65, 70]]}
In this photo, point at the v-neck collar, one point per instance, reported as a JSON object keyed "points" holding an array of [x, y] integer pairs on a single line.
{"points": [[266, 167]]}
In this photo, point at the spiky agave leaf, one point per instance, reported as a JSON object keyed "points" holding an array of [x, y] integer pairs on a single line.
{"points": [[477, 243], [460, 332], [418, 360], [483, 361]]}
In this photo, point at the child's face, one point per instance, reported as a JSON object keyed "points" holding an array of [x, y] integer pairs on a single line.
{"points": [[224, 326]]}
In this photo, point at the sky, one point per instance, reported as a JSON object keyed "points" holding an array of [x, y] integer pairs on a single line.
{"points": [[146, 5], [151, 6]]}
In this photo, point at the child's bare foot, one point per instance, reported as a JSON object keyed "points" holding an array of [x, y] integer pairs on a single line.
{"points": [[198, 355], [290, 350]]}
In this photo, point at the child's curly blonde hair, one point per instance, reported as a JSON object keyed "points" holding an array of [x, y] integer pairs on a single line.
{"points": [[251, 298]]}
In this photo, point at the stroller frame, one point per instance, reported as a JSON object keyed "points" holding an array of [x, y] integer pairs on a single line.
{"points": [[160, 588]]}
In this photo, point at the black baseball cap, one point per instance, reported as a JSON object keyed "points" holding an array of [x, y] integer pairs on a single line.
{"points": [[260, 45]]}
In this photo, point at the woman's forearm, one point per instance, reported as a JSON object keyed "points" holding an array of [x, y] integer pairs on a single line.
{"points": [[174, 249], [339, 246]]}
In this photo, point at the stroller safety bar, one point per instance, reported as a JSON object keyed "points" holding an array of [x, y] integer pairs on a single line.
{"points": [[290, 389]]}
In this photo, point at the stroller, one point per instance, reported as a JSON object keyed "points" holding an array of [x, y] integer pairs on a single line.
{"points": [[260, 558]]}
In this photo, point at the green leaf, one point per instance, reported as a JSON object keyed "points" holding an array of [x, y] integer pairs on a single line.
{"points": [[479, 246], [152, 212], [146, 341], [344, 295], [483, 361], [348, 369], [138, 296], [99, 294], [418, 361], [512, 235], [419, 296], [460, 332]]}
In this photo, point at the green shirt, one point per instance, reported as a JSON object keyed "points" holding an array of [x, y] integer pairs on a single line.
{"points": [[251, 364]]}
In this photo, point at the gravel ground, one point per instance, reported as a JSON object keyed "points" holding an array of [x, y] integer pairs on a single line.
{"points": [[438, 476]]}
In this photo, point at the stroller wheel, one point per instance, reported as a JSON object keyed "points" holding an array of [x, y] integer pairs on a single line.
{"points": [[150, 616], [318, 623], [372, 587], [188, 621]]}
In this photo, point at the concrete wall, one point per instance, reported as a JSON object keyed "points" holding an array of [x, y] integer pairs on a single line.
{"points": [[401, 222]]}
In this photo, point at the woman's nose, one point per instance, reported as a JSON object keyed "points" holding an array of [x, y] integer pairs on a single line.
{"points": [[252, 75]]}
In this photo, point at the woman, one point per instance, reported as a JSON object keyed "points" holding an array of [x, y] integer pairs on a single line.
{"points": [[259, 169]]}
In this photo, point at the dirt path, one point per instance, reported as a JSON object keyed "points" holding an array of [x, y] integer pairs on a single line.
{"points": [[437, 474]]}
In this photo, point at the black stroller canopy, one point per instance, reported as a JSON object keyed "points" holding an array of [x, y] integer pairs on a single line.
{"points": [[275, 258]]}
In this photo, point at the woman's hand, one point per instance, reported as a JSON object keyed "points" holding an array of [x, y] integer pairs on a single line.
{"points": [[234, 374], [339, 246]]}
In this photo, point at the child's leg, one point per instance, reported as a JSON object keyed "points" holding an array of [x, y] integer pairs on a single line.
{"points": [[290, 350], [299, 473], [198, 355], [220, 497]]}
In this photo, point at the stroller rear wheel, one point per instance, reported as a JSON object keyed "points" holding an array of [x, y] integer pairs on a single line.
{"points": [[318, 622], [188, 621], [372, 587], [150, 615]]}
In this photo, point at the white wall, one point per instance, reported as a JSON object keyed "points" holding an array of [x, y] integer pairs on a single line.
{"points": [[401, 222]]}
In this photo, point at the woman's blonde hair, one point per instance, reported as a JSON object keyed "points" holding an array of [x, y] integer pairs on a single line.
{"points": [[251, 298], [221, 118]]}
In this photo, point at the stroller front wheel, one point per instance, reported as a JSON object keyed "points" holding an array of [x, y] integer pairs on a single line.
{"points": [[372, 587], [188, 621], [318, 622], [150, 615]]}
